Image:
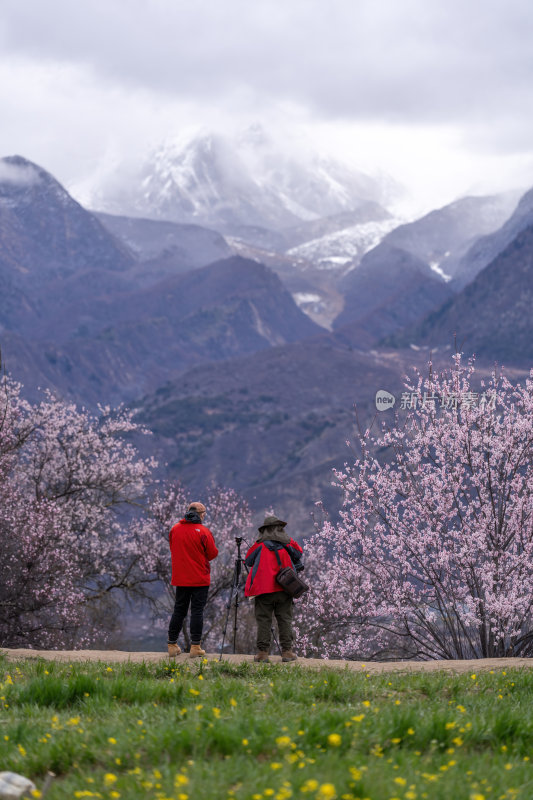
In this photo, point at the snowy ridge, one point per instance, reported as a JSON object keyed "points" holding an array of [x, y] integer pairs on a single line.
{"points": [[345, 247]]}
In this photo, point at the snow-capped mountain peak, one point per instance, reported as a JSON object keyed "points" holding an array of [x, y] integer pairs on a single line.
{"points": [[228, 181]]}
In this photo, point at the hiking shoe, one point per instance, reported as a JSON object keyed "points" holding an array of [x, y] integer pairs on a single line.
{"points": [[173, 649], [262, 656], [288, 655], [196, 651]]}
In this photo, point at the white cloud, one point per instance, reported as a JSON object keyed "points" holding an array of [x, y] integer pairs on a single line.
{"points": [[18, 174], [439, 93]]}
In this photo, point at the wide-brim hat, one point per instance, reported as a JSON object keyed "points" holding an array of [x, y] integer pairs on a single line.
{"points": [[270, 522]]}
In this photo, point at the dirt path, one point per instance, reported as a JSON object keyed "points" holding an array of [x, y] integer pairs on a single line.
{"points": [[118, 656]]}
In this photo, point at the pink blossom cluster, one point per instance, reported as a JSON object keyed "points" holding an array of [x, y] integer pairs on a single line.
{"points": [[433, 554], [66, 478]]}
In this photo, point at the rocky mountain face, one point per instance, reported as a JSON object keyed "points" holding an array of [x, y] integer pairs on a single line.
{"points": [[165, 248], [112, 348], [45, 233], [486, 248], [233, 183], [403, 278], [390, 289], [45, 237], [441, 237], [491, 316]]}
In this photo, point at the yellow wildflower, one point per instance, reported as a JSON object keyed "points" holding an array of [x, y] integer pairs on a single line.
{"points": [[326, 792]]}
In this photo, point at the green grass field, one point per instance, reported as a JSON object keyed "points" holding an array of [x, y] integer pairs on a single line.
{"points": [[254, 732]]}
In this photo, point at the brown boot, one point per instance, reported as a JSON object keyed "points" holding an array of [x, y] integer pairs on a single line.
{"points": [[288, 655], [196, 651], [173, 650], [261, 655]]}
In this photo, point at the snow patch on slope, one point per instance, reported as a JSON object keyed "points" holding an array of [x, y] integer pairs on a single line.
{"points": [[344, 247]]}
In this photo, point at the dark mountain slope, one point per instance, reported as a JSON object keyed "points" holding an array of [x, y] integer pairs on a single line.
{"points": [[492, 315], [130, 343], [485, 249], [165, 248], [45, 237], [388, 290], [44, 233], [442, 236], [272, 425]]}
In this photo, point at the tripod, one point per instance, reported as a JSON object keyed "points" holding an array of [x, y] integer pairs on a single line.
{"points": [[234, 600]]}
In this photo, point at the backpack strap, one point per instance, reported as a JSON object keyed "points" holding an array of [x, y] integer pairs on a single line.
{"points": [[279, 559]]}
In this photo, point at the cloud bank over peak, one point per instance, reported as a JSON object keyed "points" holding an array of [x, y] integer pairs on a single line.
{"points": [[81, 83]]}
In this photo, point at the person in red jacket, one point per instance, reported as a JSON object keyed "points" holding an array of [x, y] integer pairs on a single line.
{"points": [[273, 550], [192, 547]]}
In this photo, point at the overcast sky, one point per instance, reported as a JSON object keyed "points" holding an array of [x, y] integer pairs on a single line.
{"points": [[439, 93]]}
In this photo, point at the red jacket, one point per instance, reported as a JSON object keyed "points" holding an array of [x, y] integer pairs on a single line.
{"points": [[192, 547], [264, 565]]}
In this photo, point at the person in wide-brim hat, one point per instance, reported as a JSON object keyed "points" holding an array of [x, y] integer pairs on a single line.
{"points": [[271, 522], [273, 550]]}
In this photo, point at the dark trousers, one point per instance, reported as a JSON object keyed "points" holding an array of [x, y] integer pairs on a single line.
{"points": [[196, 597], [281, 605]]}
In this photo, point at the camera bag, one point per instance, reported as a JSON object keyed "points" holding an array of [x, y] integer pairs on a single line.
{"points": [[290, 581]]}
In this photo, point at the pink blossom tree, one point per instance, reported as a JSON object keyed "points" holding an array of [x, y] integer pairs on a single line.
{"points": [[433, 554], [41, 597], [68, 479]]}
